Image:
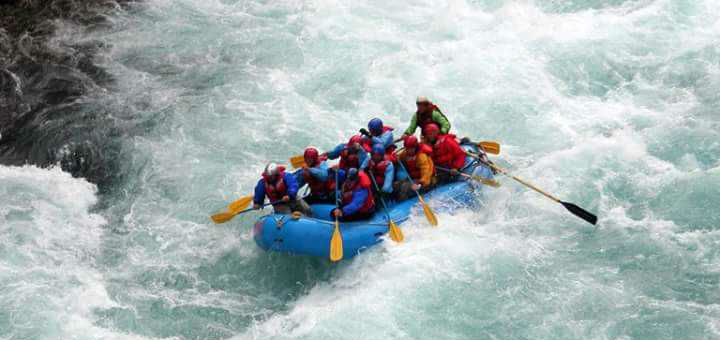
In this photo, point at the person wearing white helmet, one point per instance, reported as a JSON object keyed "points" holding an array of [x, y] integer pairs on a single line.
{"points": [[281, 189], [427, 113]]}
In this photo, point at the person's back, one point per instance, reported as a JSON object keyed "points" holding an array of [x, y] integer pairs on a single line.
{"points": [[381, 169], [357, 202], [427, 113], [315, 174], [447, 155], [352, 155]]}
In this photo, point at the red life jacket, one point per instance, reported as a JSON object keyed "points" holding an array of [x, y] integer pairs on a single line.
{"points": [[349, 160], [378, 170], [276, 191], [411, 163], [317, 186], [362, 182], [447, 153]]}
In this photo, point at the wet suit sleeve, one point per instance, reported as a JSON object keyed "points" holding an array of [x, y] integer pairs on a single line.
{"points": [[426, 169], [259, 192], [335, 153], [359, 197], [364, 159], [441, 120], [386, 139], [292, 185], [389, 174], [320, 172], [413, 125]]}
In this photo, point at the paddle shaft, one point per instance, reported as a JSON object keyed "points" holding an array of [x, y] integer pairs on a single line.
{"points": [[573, 208], [372, 178], [504, 172], [409, 178]]}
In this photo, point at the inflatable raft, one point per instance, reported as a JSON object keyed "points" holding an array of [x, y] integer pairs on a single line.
{"points": [[311, 235]]}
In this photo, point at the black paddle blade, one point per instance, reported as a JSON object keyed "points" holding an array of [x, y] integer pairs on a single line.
{"points": [[580, 212]]}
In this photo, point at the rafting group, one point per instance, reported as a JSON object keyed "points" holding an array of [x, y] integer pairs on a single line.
{"points": [[371, 169]]}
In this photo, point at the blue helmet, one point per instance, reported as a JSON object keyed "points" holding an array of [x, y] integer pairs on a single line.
{"points": [[378, 149], [375, 126], [352, 174]]}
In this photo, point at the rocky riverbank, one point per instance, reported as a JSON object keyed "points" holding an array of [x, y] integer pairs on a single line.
{"points": [[45, 80]]}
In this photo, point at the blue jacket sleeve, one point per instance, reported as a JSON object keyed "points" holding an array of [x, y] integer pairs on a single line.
{"points": [[292, 185], [389, 178], [364, 160], [259, 192], [335, 153], [386, 139], [320, 172], [359, 197]]}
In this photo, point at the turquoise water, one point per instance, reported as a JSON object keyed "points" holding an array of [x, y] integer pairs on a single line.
{"points": [[609, 104]]}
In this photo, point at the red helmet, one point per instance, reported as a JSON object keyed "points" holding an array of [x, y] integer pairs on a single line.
{"points": [[355, 139], [430, 129], [311, 156], [410, 142]]}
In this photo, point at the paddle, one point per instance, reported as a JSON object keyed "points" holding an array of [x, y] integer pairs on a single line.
{"points": [[490, 147], [297, 161], [336, 243], [489, 182], [234, 209], [574, 209], [395, 232], [426, 208]]}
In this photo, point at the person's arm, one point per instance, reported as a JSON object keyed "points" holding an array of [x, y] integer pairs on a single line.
{"points": [[292, 186], [335, 153], [319, 172], [359, 197], [259, 197], [389, 174], [441, 120], [426, 169], [364, 158], [413, 125], [386, 139]]}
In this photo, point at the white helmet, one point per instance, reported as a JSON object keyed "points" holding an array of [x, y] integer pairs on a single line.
{"points": [[271, 169], [422, 99]]}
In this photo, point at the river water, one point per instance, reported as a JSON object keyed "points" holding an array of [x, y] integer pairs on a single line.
{"points": [[611, 104]]}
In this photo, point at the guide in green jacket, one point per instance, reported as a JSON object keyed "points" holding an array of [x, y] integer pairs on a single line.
{"points": [[427, 113]]}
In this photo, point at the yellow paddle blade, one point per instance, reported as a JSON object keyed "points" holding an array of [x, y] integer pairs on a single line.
{"points": [[490, 147], [336, 244], [429, 214], [222, 217], [240, 204], [297, 161], [489, 182], [395, 232]]}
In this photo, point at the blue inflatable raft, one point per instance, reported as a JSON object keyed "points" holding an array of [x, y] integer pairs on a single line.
{"points": [[311, 235]]}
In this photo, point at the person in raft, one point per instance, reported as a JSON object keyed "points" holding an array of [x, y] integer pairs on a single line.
{"points": [[380, 134], [354, 154], [427, 113], [281, 189], [382, 170], [446, 153], [356, 199], [316, 175], [416, 159]]}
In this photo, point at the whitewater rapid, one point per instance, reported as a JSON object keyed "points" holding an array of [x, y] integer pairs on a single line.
{"points": [[609, 104]]}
